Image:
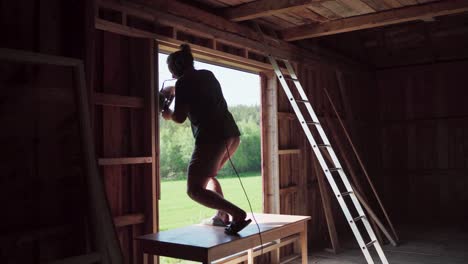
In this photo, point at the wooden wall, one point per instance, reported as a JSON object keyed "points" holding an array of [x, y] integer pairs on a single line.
{"points": [[125, 125], [42, 182], [424, 141]]}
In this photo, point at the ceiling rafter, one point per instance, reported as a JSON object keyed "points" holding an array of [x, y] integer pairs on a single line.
{"points": [[374, 20], [263, 8]]}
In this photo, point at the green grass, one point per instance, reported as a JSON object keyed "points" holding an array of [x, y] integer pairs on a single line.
{"points": [[176, 209]]}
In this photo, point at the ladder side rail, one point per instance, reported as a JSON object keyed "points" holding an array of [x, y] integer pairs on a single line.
{"points": [[321, 160], [303, 95], [337, 164], [311, 111]]}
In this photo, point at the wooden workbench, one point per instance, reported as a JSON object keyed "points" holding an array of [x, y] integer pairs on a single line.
{"points": [[207, 244]]}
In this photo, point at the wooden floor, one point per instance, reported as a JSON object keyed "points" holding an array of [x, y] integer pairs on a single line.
{"points": [[439, 246]]}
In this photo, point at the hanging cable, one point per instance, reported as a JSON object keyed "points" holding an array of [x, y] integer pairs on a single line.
{"points": [[247, 197]]}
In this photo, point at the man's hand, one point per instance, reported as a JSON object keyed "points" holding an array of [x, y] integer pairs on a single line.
{"points": [[168, 91], [167, 114]]}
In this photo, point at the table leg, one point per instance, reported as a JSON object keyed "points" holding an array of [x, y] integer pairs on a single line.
{"points": [[303, 241], [275, 255]]}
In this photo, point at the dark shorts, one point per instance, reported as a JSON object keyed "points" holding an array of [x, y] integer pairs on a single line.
{"points": [[209, 158]]}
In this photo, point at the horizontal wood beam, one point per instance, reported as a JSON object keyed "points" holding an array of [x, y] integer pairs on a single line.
{"points": [[288, 151], [263, 8], [374, 20], [83, 259], [118, 100], [286, 115], [267, 247], [37, 58], [124, 161], [130, 219], [193, 20], [289, 189]]}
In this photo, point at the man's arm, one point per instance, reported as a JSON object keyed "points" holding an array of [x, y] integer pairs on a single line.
{"points": [[178, 115]]}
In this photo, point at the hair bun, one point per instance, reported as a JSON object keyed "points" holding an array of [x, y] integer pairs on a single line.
{"points": [[185, 48]]}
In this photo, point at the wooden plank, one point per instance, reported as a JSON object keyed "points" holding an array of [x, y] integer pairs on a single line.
{"points": [[83, 259], [118, 100], [286, 115], [257, 251], [124, 161], [340, 8], [362, 167], [392, 3], [376, 20], [130, 219], [358, 6], [102, 24], [289, 190], [264, 8], [152, 180], [323, 11], [269, 127], [289, 151], [190, 19], [215, 56], [327, 208], [377, 5], [37, 58], [308, 14]]}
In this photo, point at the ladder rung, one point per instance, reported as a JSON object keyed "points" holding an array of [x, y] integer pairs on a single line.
{"points": [[324, 146], [301, 101], [346, 193], [312, 123], [359, 218], [291, 79], [371, 243], [334, 169], [278, 58]]}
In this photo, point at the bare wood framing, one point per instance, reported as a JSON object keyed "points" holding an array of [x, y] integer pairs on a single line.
{"points": [[270, 159], [238, 258], [289, 151], [327, 209], [362, 165], [124, 161], [374, 20], [84, 259], [263, 8], [289, 190], [189, 19], [118, 100], [131, 219], [100, 213]]}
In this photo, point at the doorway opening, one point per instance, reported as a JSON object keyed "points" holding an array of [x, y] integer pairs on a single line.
{"points": [[242, 93]]}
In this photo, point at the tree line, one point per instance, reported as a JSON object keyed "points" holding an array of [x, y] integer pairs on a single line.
{"points": [[177, 142]]}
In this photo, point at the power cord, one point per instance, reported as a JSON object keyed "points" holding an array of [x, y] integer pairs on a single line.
{"points": [[246, 196]]}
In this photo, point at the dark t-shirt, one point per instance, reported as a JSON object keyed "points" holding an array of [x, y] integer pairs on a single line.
{"points": [[207, 108]]}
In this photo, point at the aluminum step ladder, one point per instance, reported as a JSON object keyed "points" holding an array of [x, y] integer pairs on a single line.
{"points": [[325, 145]]}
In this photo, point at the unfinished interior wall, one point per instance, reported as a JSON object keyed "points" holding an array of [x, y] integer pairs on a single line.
{"points": [[42, 179], [125, 125], [424, 142]]}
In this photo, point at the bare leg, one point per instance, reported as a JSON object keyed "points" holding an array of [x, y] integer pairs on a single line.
{"points": [[205, 188], [211, 199], [215, 186]]}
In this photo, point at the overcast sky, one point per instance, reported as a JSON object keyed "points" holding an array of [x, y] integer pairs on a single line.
{"points": [[239, 88]]}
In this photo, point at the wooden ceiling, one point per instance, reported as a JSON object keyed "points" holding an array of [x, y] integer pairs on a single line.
{"points": [[411, 43], [302, 19]]}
